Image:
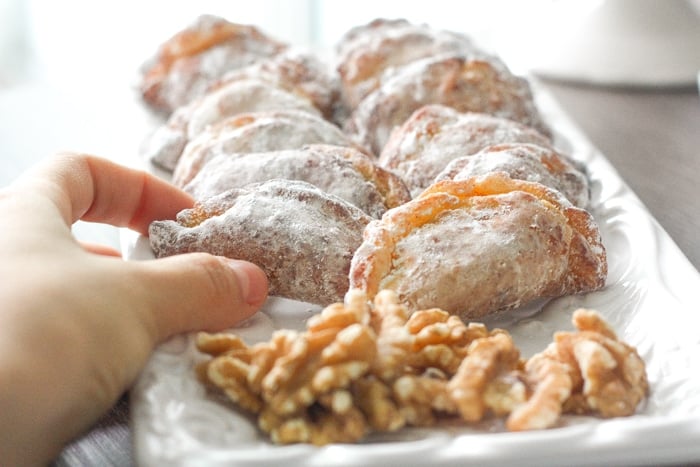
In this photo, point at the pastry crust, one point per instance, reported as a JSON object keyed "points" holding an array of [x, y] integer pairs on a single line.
{"points": [[256, 132], [376, 27], [302, 237], [341, 171], [367, 53], [479, 246], [297, 72], [435, 135], [524, 162], [465, 84], [164, 147], [188, 62]]}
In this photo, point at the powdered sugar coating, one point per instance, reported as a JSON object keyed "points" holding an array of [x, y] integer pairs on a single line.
{"points": [[298, 72], [498, 263], [376, 27], [434, 135], [341, 171], [256, 132], [242, 96], [166, 144], [524, 162], [302, 237], [478, 246], [188, 62], [465, 84]]}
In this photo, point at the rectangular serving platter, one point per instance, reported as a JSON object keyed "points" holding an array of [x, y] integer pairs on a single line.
{"points": [[651, 299]]}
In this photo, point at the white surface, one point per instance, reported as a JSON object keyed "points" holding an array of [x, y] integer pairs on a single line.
{"points": [[625, 42], [651, 299]]}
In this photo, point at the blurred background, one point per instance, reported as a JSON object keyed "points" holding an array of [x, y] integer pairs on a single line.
{"points": [[83, 43], [82, 57]]}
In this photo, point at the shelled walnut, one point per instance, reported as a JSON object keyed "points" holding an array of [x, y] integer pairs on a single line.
{"points": [[363, 367]]}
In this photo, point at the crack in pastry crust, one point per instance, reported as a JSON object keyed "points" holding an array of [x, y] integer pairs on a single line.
{"points": [[479, 246], [302, 237], [341, 171]]}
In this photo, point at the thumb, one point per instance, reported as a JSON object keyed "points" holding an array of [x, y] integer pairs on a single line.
{"points": [[198, 291]]}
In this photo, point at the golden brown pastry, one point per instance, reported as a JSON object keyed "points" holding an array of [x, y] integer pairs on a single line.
{"points": [[297, 72], [467, 85], [434, 135], [478, 246], [164, 147], [341, 171], [302, 237], [366, 53], [529, 162], [256, 132], [192, 59]]}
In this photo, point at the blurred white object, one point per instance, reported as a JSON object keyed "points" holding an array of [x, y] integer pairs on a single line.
{"points": [[627, 42], [13, 43], [86, 44]]}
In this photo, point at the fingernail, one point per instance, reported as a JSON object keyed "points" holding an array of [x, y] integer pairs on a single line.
{"points": [[252, 280]]}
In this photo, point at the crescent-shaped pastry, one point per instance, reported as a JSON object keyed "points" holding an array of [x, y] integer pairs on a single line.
{"points": [[367, 52], [256, 132], [465, 84], [341, 171], [475, 247], [188, 62], [302, 237], [524, 162], [434, 135], [164, 147]]}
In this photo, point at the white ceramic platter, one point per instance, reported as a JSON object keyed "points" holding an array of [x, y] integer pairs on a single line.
{"points": [[651, 299]]}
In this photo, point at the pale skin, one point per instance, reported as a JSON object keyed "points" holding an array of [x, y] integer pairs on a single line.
{"points": [[77, 323]]}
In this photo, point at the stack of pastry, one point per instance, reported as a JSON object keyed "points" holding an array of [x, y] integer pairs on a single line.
{"points": [[419, 164], [417, 175]]}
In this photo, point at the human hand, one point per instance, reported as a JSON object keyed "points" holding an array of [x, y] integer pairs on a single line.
{"points": [[77, 324]]}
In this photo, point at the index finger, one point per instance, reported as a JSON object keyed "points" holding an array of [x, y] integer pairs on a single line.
{"points": [[89, 188]]}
